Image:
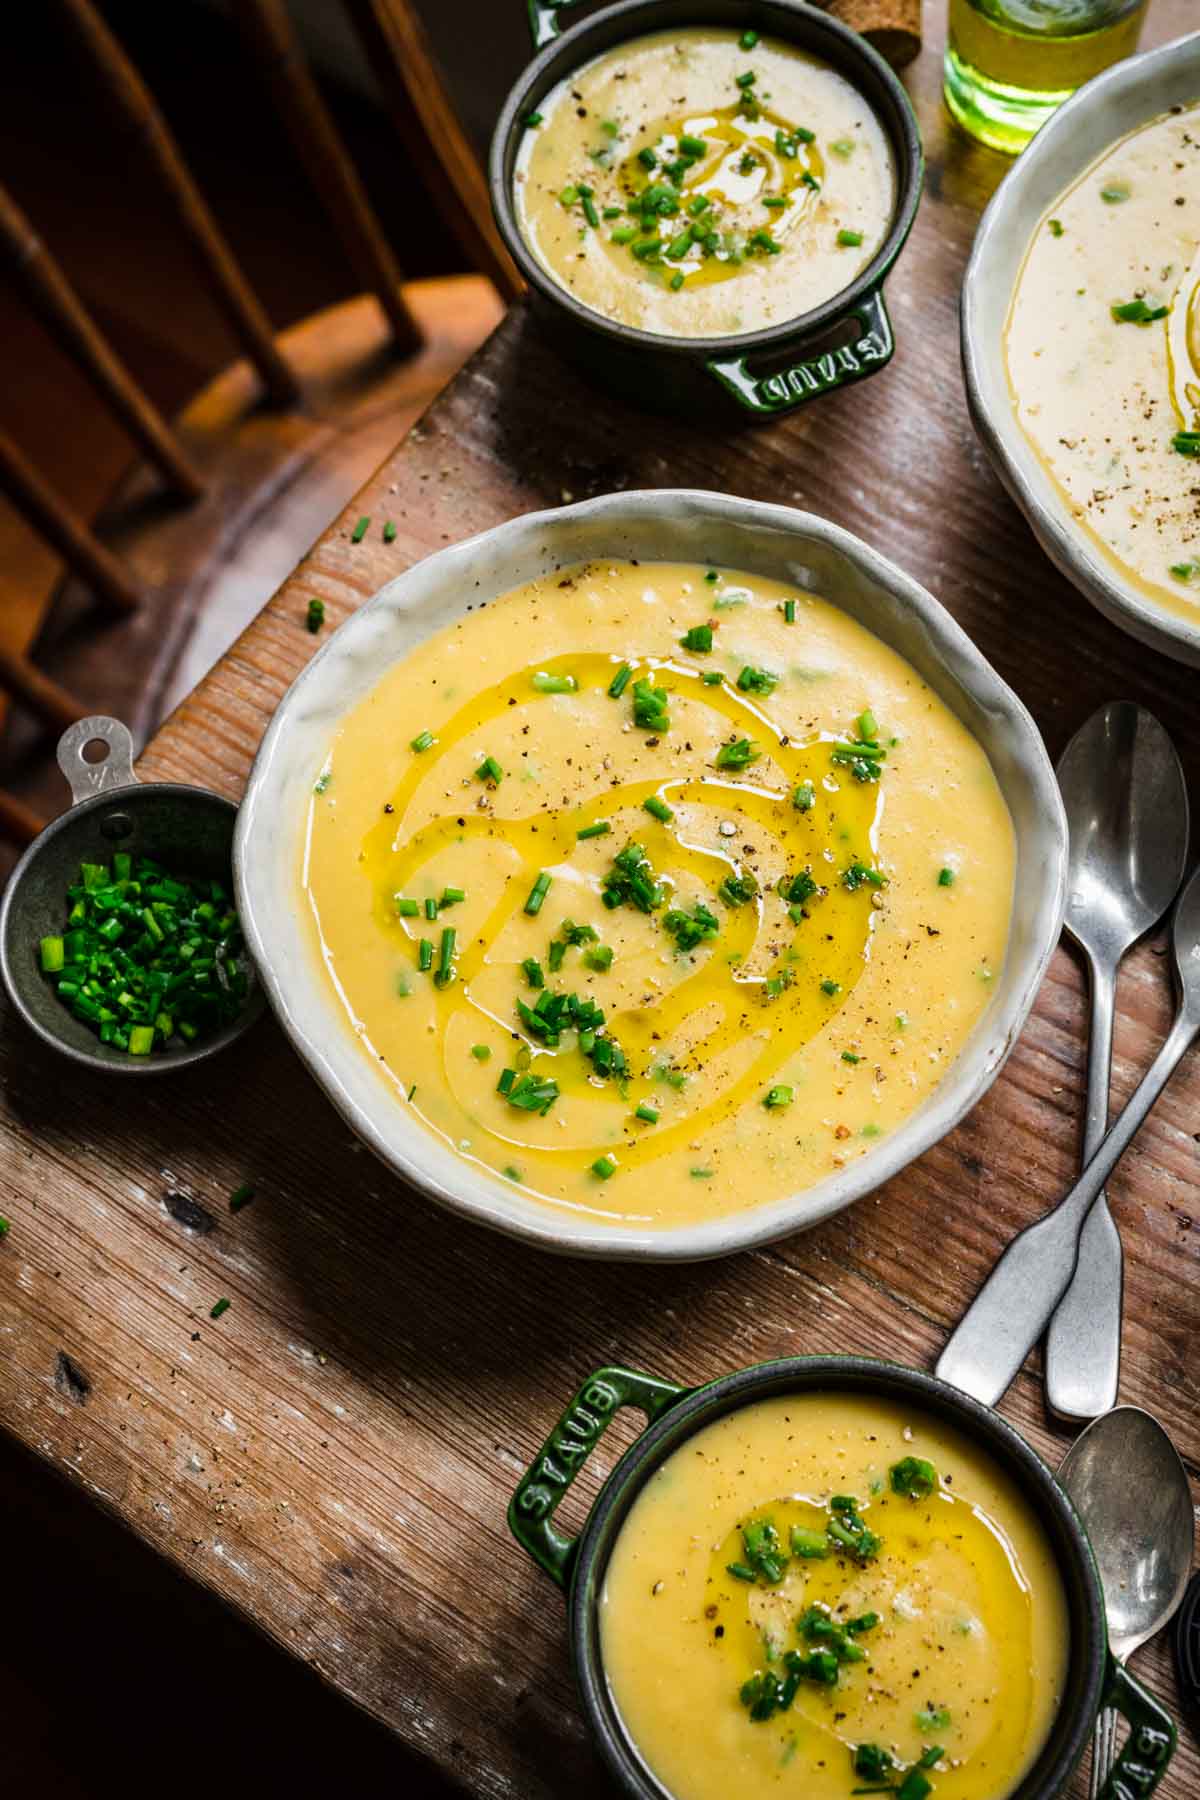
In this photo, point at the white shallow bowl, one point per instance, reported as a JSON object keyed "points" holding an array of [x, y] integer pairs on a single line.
{"points": [[1126, 96], [662, 526]]}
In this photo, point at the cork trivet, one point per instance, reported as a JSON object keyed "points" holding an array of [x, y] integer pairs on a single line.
{"points": [[892, 26]]}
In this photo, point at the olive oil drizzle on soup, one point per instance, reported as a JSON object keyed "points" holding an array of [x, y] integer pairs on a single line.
{"points": [[671, 924], [827, 1593], [691, 186]]}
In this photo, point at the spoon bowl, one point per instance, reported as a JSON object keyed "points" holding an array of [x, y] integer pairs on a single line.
{"points": [[1126, 1482], [1126, 798]]}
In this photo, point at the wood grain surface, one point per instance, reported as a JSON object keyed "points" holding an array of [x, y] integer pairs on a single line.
{"points": [[334, 1456]]}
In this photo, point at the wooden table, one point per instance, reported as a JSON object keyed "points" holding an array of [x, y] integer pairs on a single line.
{"points": [[335, 1454]]}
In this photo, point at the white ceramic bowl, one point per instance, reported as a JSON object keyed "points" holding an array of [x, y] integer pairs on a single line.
{"points": [[673, 526], [1126, 96]]}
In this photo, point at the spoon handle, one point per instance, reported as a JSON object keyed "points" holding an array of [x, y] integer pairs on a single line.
{"points": [[1083, 1346], [1012, 1308]]}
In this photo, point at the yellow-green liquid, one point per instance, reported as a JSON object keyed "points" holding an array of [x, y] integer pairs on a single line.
{"points": [[1010, 63]]}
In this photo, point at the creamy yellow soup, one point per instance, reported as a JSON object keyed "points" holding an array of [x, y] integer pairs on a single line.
{"points": [[1100, 396], [685, 185], [942, 1632], [657, 931]]}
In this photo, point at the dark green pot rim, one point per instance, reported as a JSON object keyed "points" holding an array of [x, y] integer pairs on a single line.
{"points": [[1089, 1664], [793, 20]]}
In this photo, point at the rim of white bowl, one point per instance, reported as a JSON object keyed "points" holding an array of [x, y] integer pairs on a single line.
{"points": [[1060, 152], [963, 679]]}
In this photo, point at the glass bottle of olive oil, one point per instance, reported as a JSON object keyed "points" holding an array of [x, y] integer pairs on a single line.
{"points": [[1009, 63]]}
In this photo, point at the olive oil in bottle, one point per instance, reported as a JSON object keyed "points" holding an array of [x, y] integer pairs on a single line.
{"points": [[1010, 63]]}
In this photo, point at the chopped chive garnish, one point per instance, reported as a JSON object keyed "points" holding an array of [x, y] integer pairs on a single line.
{"points": [[52, 955], [647, 158], [850, 240], [241, 1196], [425, 955], [424, 740], [1137, 312], [619, 682], [868, 726], [831, 987], [604, 1166], [389, 531], [611, 212], [843, 147], [589, 211], [481, 1052], [1114, 193], [789, 612], [756, 681], [538, 892], [945, 877], [490, 770], [777, 1097], [624, 234], [676, 282], [712, 678], [748, 40], [5, 1226], [698, 204], [650, 707], [532, 120], [848, 1056], [647, 1113], [810, 181], [431, 907], [701, 1174], [527, 1093], [445, 968], [1055, 227], [222, 1306], [775, 201], [554, 684], [512, 1172], [711, 575], [658, 809], [697, 637], [360, 530], [913, 1478], [1187, 443], [690, 929], [599, 958], [407, 909], [532, 970], [737, 755], [804, 797], [600, 829], [746, 80], [569, 195], [314, 618], [451, 896]]}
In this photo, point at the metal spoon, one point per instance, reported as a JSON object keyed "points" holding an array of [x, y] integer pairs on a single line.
{"points": [[1013, 1307], [1129, 1487], [1127, 810]]}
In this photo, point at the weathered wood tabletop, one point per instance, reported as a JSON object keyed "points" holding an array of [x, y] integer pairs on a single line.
{"points": [[335, 1454]]}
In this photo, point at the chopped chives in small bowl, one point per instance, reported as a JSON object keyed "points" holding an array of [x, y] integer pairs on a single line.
{"points": [[146, 959]]}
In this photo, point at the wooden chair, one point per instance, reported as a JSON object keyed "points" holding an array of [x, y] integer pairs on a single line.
{"points": [[275, 445]]}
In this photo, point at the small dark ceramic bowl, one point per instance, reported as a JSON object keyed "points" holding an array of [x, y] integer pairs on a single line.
{"points": [[758, 373], [1094, 1678], [186, 828]]}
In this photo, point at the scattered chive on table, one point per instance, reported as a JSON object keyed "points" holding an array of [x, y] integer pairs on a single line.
{"points": [[333, 1449]]}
